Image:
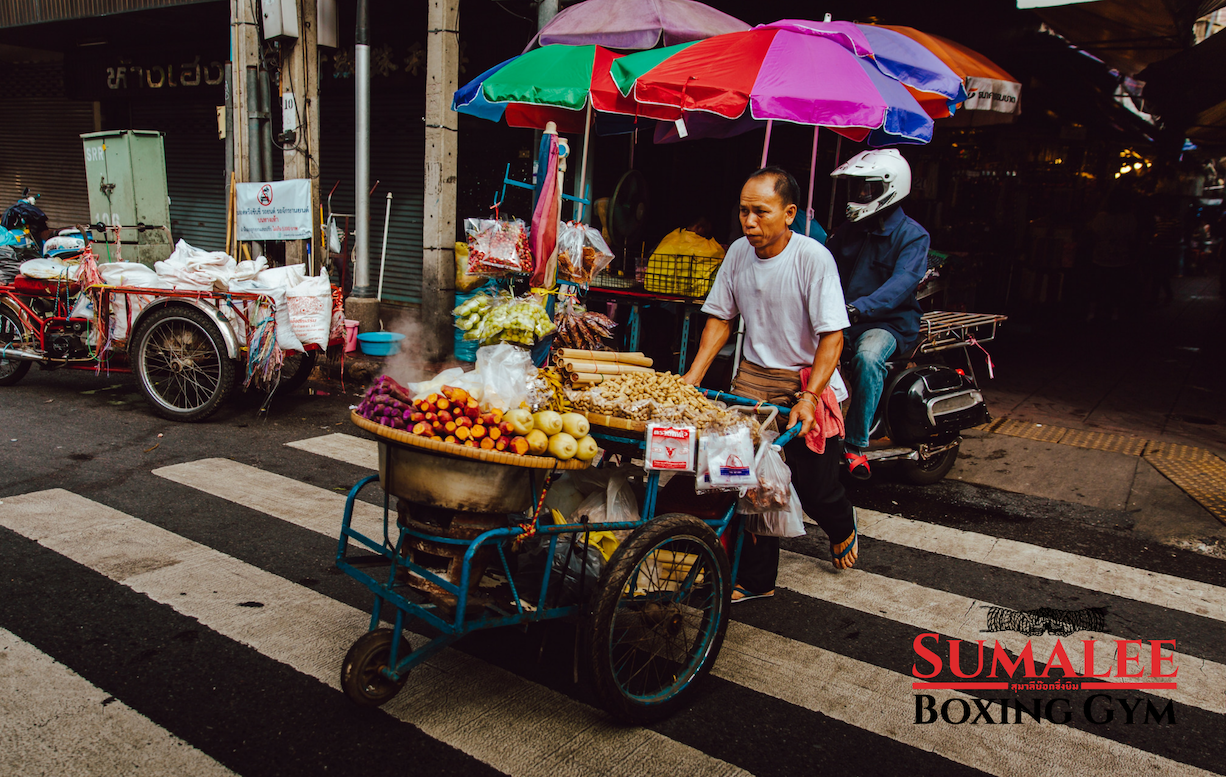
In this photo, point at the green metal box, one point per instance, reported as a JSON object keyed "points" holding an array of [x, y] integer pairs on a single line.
{"points": [[125, 171]]}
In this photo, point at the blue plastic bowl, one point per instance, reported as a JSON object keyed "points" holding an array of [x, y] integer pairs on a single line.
{"points": [[380, 343]]}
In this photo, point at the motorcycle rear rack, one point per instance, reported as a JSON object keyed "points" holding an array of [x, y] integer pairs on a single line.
{"points": [[943, 330]]}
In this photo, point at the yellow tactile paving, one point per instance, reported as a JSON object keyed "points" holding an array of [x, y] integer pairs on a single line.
{"points": [[1036, 432], [1204, 481], [1200, 473], [1104, 441]]}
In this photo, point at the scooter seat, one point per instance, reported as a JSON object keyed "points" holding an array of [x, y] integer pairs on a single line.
{"points": [[36, 286]]}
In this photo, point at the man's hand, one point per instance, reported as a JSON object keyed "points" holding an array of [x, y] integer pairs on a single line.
{"points": [[692, 378], [803, 413]]}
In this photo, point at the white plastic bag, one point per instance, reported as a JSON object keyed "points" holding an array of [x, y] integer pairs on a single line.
{"points": [[47, 269], [310, 310], [126, 307], [507, 373], [788, 522], [730, 458], [773, 490], [194, 268]]}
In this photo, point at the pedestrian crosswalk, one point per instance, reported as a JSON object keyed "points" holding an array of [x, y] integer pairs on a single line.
{"points": [[777, 663]]}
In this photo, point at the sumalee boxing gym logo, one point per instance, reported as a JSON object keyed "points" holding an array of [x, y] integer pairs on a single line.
{"points": [[1110, 670]]}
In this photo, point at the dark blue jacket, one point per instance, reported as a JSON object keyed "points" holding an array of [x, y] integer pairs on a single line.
{"points": [[881, 264]]}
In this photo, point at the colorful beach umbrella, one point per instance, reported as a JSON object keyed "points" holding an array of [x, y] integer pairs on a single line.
{"points": [[554, 83], [635, 25], [819, 75], [989, 88], [935, 86]]}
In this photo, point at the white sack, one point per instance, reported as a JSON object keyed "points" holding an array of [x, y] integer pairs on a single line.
{"points": [[310, 310]]}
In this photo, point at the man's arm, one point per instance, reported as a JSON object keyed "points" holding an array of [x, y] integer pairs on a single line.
{"points": [[908, 272], [714, 335], [829, 346]]}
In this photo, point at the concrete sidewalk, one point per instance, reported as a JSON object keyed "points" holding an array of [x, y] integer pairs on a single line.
{"points": [[1123, 397]]}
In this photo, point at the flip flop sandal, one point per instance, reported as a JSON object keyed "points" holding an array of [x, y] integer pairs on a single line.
{"points": [[742, 594], [857, 466], [852, 545]]}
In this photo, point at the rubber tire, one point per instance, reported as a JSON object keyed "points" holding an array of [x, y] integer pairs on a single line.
{"points": [[220, 372], [925, 473], [360, 677], [10, 330], [295, 378], [599, 650]]}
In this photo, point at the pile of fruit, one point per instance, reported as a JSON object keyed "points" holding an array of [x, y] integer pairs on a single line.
{"points": [[503, 319], [452, 416]]}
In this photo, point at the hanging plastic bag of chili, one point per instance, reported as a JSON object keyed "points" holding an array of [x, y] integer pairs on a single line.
{"points": [[495, 247]]}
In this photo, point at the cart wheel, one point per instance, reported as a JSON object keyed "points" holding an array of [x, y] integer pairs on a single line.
{"points": [[11, 331], [182, 363], [360, 676], [295, 370], [928, 471], [658, 618]]}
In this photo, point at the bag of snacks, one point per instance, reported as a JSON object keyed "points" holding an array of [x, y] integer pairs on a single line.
{"points": [[773, 491], [582, 252], [497, 247]]}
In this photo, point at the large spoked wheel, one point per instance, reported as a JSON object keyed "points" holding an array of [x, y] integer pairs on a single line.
{"points": [[658, 618], [925, 472], [182, 362], [12, 334], [361, 678]]}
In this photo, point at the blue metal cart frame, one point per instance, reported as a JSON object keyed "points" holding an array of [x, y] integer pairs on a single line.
{"points": [[391, 589]]}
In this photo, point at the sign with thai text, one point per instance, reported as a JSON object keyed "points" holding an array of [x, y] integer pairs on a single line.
{"points": [[274, 210]]}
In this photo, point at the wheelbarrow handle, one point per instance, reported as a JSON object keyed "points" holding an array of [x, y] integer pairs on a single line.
{"points": [[733, 399]]}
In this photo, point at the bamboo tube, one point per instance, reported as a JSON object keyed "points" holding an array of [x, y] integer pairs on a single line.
{"points": [[591, 378], [605, 356], [230, 213], [602, 368]]}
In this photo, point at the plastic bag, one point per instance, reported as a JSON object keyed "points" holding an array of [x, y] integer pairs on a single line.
{"points": [[582, 253], [50, 269], [497, 247], [310, 310], [730, 457], [463, 280], [773, 491], [788, 522], [614, 503], [506, 372]]}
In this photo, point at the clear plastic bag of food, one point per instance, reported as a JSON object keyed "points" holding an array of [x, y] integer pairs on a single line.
{"points": [[774, 489], [497, 247], [582, 252]]}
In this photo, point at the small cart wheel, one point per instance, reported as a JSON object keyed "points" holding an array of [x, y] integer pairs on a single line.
{"points": [[658, 618], [361, 678], [295, 370], [12, 333]]}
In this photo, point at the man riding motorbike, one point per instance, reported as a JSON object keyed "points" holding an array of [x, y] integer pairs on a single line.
{"points": [[882, 256]]}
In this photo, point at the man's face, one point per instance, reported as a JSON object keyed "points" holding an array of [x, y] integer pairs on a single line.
{"points": [[764, 219]]}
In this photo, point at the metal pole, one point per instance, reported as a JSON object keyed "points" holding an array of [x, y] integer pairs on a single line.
{"points": [[587, 137], [253, 136], [834, 182], [361, 176], [265, 125], [766, 144], [812, 173], [387, 217]]}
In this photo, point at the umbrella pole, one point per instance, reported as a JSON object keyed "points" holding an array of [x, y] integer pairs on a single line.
{"points": [[812, 173], [766, 144], [587, 134], [834, 182]]}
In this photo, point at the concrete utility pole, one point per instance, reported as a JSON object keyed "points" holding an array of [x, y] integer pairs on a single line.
{"points": [[245, 51], [442, 128], [300, 75]]}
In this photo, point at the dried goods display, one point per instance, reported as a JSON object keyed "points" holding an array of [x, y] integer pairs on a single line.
{"points": [[582, 253], [581, 328], [497, 247]]}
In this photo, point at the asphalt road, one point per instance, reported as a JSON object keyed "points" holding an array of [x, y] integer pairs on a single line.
{"points": [[168, 613]]}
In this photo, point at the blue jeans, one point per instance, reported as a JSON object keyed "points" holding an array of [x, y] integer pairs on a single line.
{"points": [[865, 380]]}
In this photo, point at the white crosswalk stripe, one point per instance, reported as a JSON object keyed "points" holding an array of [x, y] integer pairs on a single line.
{"points": [[455, 698], [801, 674], [54, 722], [522, 728]]}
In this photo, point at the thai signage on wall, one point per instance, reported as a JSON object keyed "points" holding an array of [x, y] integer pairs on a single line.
{"points": [[108, 74], [274, 210]]}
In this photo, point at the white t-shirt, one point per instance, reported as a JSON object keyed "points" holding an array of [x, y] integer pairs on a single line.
{"points": [[787, 301]]}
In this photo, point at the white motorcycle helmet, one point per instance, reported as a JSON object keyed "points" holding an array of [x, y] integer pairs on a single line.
{"points": [[879, 178]]}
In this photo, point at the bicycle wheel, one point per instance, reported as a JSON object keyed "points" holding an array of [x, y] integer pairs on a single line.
{"points": [[182, 363], [11, 333], [658, 618]]}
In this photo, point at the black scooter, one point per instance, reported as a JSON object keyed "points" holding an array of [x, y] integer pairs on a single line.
{"points": [[925, 404]]}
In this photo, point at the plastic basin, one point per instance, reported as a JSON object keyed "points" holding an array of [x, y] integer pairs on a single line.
{"points": [[380, 343]]}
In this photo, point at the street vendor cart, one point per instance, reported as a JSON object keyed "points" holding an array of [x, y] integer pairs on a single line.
{"points": [[651, 628]]}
